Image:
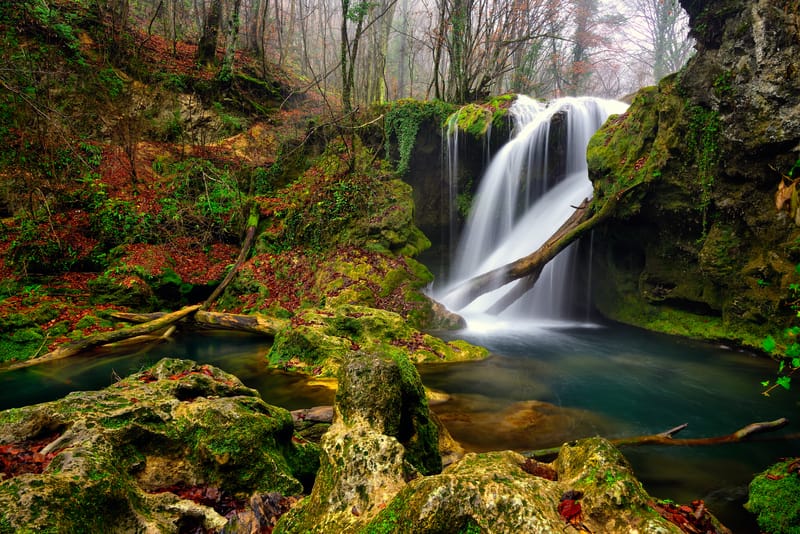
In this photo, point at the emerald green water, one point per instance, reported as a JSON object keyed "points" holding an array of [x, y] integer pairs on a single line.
{"points": [[612, 381]]}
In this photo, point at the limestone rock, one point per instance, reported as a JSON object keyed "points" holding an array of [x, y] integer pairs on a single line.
{"points": [[174, 447], [698, 248]]}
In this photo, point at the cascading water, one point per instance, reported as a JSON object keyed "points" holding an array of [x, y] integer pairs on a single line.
{"points": [[527, 192]]}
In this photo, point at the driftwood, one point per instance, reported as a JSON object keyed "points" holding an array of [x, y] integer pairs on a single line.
{"points": [[665, 438], [105, 338]]}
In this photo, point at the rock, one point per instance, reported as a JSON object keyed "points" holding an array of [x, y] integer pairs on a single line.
{"points": [[381, 436], [371, 480], [177, 446], [775, 498], [697, 248], [319, 341]]}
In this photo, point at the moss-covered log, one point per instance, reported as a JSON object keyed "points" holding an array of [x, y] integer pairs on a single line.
{"points": [[104, 338]]}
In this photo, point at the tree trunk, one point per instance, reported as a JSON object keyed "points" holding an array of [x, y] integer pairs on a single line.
{"points": [[530, 267], [104, 338], [231, 33], [207, 47], [255, 324], [252, 224]]}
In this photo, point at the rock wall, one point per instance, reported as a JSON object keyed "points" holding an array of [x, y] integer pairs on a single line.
{"points": [[698, 247]]}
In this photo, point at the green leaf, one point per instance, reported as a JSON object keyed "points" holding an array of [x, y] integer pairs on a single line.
{"points": [[784, 382], [781, 366], [795, 362], [765, 383], [793, 350], [797, 268], [768, 344]]}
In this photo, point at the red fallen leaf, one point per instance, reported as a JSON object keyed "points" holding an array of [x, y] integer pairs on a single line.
{"points": [[774, 477], [570, 511]]}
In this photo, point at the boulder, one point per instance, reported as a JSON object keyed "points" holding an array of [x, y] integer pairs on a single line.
{"points": [[176, 447], [775, 498]]}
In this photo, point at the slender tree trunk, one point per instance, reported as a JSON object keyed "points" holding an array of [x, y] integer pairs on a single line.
{"points": [[231, 34]]}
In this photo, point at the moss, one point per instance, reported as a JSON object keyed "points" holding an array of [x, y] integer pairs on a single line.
{"points": [[775, 499], [402, 121]]}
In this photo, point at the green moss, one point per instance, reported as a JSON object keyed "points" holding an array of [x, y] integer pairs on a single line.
{"points": [[402, 121], [776, 500]]}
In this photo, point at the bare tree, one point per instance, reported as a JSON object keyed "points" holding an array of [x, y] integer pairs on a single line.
{"points": [[658, 33]]}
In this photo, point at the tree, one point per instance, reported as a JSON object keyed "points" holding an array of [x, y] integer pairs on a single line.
{"points": [[658, 32], [207, 47], [231, 33]]}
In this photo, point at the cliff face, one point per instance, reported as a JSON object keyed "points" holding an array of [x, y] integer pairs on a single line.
{"points": [[699, 247]]}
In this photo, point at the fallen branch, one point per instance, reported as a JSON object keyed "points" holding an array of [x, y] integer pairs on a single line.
{"points": [[252, 224], [104, 338], [665, 438], [531, 266]]}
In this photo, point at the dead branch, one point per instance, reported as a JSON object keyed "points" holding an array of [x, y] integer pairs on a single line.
{"points": [[665, 438], [531, 266]]}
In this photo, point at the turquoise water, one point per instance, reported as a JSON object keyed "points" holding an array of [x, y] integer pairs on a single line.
{"points": [[542, 386], [617, 381]]}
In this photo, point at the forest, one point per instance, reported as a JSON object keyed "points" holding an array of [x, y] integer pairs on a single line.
{"points": [[399, 266]]}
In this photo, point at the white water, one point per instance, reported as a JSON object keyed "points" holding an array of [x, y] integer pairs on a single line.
{"points": [[519, 205]]}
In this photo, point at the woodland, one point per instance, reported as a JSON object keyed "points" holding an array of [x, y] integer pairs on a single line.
{"points": [[274, 168]]}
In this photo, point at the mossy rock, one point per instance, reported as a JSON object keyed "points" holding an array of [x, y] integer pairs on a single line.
{"points": [[319, 341], [125, 290], [775, 498], [116, 460]]}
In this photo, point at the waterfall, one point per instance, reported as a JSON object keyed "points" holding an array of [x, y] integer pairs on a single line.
{"points": [[527, 192]]}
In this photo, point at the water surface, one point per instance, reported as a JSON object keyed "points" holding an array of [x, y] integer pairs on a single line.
{"points": [[545, 384]]}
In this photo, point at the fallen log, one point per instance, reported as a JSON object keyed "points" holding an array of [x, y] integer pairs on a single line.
{"points": [[104, 338], [255, 324], [531, 266], [666, 438], [252, 224]]}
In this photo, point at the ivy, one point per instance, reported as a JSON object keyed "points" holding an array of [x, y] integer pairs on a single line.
{"points": [[703, 141], [402, 121]]}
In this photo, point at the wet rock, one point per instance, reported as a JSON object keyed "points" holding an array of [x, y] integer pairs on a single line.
{"points": [[176, 446], [321, 340], [370, 479]]}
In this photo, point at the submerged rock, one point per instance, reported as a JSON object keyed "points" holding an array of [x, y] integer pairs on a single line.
{"points": [[178, 446]]}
